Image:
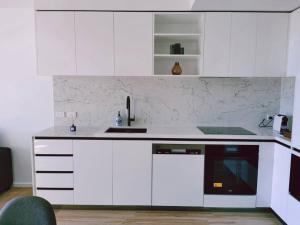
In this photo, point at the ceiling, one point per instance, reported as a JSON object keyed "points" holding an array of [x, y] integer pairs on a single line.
{"points": [[176, 5], [246, 5]]}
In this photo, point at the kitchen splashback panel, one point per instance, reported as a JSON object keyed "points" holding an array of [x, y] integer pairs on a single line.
{"points": [[158, 101]]}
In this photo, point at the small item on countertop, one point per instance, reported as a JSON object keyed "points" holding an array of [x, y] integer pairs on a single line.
{"points": [[73, 128], [119, 120], [176, 70]]}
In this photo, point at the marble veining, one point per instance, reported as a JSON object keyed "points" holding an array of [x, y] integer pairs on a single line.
{"points": [[287, 96], [159, 101]]}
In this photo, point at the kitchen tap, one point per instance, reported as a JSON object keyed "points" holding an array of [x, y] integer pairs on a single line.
{"points": [[129, 119]]}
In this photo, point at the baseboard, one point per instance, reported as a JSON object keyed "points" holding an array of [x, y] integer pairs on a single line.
{"points": [[24, 185]]}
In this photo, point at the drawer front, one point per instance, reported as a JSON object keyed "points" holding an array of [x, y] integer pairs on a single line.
{"points": [[57, 147], [56, 180], [57, 197], [53, 163]]}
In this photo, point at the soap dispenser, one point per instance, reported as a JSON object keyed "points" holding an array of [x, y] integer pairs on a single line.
{"points": [[119, 120]]}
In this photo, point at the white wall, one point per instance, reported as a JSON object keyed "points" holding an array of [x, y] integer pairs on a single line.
{"points": [[26, 100]]}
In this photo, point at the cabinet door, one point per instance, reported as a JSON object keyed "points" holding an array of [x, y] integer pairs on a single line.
{"points": [[281, 177], [132, 172], [293, 211], [217, 44], [296, 115], [55, 43], [93, 172], [133, 43], [243, 44], [272, 42], [94, 43], [178, 180], [265, 175], [293, 68]]}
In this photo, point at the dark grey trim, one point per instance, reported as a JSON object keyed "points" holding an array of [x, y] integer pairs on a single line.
{"points": [[55, 189], [296, 150], [54, 155], [54, 172], [285, 145], [162, 11]]}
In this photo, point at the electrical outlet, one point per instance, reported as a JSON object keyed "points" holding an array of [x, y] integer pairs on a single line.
{"points": [[72, 115], [60, 114]]}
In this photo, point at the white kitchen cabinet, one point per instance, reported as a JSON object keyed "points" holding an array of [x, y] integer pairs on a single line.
{"points": [[281, 177], [265, 175], [133, 43], [92, 172], [55, 43], [293, 211], [243, 44], [94, 43], [296, 116], [217, 44], [272, 42], [132, 171], [293, 65], [54, 4], [178, 180]]}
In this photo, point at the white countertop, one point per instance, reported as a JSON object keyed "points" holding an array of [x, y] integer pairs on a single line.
{"points": [[157, 132]]}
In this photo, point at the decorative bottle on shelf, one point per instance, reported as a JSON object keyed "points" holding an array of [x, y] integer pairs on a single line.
{"points": [[176, 70]]}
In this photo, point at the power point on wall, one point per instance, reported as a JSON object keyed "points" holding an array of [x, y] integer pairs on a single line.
{"points": [[60, 114], [72, 115]]}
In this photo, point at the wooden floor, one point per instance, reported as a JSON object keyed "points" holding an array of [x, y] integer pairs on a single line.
{"points": [[148, 217]]}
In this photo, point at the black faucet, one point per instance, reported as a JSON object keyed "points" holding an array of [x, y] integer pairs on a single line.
{"points": [[129, 119]]}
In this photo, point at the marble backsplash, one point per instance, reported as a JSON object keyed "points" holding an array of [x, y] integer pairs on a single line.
{"points": [[158, 101]]}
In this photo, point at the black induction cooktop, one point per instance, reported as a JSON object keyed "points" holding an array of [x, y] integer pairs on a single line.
{"points": [[225, 130]]}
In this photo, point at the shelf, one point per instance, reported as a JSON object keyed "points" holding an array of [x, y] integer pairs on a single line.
{"points": [[177, 56], [176, 37]]}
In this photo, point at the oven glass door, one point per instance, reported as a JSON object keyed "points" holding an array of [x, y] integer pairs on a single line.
{"points": [[231, 175], [295, 177]]}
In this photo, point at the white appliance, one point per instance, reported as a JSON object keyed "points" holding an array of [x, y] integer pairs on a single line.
{"points": [[280, 123], [178, 178]]}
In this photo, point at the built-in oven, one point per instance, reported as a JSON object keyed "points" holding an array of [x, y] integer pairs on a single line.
{"points": [[295, 177], [231, 169]]}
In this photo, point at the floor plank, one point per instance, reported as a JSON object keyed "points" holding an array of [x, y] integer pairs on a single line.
{"points": [[150, 217]]}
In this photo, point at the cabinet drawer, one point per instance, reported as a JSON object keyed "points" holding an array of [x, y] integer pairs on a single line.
{"points": [[57, 197], [53, 163], [54, 180], [57, 147]]}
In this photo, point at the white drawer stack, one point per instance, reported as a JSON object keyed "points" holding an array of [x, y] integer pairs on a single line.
{"points": [[54, 173]]}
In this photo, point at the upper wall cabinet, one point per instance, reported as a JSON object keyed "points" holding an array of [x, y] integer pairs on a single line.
{"points": [[133, 43], [217, 44], [293, 68], [75, 43], [272, 42], [94, 43], [245, 44], [55, 43]]}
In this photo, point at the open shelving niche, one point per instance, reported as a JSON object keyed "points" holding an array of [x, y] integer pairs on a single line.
{"points": [[184, 28]]}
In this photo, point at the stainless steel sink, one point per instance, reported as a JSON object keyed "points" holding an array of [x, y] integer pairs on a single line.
{"points": [[125, 130]]}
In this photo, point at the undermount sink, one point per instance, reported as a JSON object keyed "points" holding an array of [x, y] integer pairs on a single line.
{"points": [[126, 130]]}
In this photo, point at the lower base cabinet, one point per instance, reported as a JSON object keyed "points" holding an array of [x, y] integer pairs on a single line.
{"points": [[281, 177], [92, 172], [177, 180], [293, 211], [132, 173]]}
